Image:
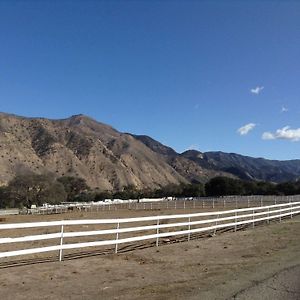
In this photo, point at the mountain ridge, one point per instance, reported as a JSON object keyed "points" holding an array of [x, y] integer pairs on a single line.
{"points": [[110, 160]]}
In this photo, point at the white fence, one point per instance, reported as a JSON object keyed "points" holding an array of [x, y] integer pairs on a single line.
{"points": [[6, 212], [141, 229], [164, 204]]}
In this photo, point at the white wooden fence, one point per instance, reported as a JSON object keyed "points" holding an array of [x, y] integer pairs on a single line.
{"points": [[152, 228], [164, 204], [6, 212]]}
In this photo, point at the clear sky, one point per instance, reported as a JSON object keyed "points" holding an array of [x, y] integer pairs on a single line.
{"points": [[209, 75]]}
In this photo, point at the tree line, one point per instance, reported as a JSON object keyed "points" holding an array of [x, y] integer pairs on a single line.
{"points": [[224, 186], [33, 189]]}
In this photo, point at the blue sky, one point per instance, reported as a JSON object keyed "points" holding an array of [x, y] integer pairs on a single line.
{"points": [[209, 75]]}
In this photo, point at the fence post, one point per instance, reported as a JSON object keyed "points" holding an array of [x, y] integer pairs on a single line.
{"points": [[224, 204], [268, 215], [235, 220], [189, 234], [61, 242], [183, 204], [117, 237], [194, 204], [280, 214], [253, 218], [291, 209], [213, 204], [215, 231], [157, 232], [175, 203]]}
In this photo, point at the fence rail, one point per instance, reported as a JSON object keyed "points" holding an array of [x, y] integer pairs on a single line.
{"points": [[151, 227]]}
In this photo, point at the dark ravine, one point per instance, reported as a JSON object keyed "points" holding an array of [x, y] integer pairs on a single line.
{"points": [[108, 159]]}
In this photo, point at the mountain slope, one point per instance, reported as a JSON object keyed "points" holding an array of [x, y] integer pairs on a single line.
{"points": [[194, 164], [246, 167], [187, 168], [79, 146], [110, 160]]}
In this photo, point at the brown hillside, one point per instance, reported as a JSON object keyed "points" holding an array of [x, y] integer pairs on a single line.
{"points": [[80, 146]]}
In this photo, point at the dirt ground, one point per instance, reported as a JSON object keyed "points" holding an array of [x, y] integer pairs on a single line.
{"points": [[259, 263], [283, 285]]}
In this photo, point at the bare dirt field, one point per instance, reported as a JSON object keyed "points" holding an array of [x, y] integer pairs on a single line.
{"points": [[259, 263]]}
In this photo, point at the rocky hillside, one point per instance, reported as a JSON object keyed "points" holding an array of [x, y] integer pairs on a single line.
{"points": [[80, 146], [226, 164], [108, 159], [187, 168], [245, 167]]}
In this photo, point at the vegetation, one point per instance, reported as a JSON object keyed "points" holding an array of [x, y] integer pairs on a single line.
{"points": [[74, 186], [222, 186], [26, 190], [33, 189]]}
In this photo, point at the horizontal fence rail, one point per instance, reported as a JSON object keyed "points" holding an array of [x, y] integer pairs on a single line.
{"points": [[146, 228]]}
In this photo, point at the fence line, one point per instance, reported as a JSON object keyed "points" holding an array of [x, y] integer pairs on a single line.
{"points": [[156, 227], [176, 204]]}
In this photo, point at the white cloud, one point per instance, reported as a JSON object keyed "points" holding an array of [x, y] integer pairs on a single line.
{"points": [[268, 136], [257, 90], [284, 109], [246, 128], [285, 133]]}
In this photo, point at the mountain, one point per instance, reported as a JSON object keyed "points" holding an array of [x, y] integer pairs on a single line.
{"points": [[187, 168], [80, 146], [225, 164], [245, 167], [110, 160]]}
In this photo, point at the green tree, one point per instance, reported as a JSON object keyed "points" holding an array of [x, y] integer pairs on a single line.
{"points": [[193, 190], [221, 186], [73, 186], [84, 197], [101, 196], [266, 188], [4, 201], [26, 190], [287, 188]]}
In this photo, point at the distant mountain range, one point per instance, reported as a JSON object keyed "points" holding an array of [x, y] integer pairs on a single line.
{"points": [[108, 159]]}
